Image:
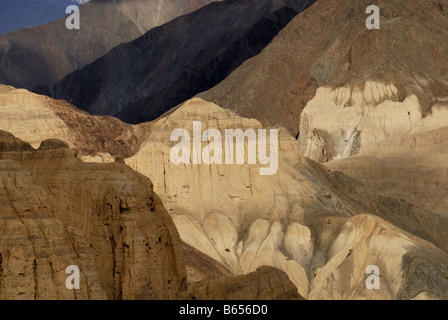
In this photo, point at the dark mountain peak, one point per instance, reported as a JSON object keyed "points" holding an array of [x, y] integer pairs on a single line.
{"points": [[141, 80]]}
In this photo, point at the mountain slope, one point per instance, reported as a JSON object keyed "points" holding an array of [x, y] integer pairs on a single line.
{"points": [[174, 62], [329, 46], [35, 118], [371, 103], [105, 219], [43, 55], [321, 227]]}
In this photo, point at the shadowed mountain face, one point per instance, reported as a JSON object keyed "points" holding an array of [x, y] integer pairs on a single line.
{"points": [[141, 80], [43, 55]]}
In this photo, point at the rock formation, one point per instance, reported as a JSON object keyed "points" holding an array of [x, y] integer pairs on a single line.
{"points": [[176, 61], [43, 55], [266, 283], [371, 103], [104, 218], [35, 118], [320, 227], [329, 47]]}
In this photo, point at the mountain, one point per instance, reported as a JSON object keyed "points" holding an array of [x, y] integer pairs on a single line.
{"points": [[43, 55], [321, 227], [329, 47], [35, 118], [370, 103], [204, 47]]}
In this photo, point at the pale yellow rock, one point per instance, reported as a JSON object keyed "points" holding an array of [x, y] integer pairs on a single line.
{"points": [[220, 199], [368, 134], [340, 122], [27, 117], [364, 240], [300, 220], [299, 243], [34, 118], [245, 220], [100, 157]]}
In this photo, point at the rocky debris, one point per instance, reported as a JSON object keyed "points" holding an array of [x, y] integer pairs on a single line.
{"points": [[266, 283]]}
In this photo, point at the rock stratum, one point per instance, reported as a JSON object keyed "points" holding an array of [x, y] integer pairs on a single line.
{"points": [[41, 56], [321, 227]]}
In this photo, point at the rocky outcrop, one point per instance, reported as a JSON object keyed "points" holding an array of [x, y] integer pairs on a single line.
{"points": [[201, 267], [266, 283], [35, 118], [342, 122], [43, 55], [320, 227], [304, 220], [149, 82], [329, 47], [103, 218]]}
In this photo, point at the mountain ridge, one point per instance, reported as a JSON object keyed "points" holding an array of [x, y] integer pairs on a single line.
{"points": [[149, 83]]}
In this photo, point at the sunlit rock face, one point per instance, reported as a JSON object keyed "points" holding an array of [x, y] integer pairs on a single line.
{"points": [[322, 228], [105, 219]]}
